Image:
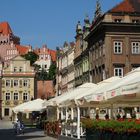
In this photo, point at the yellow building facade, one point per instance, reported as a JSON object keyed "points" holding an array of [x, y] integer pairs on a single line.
{"points": [[18, 84]]}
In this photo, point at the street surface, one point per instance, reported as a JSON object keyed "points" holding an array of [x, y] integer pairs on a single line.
{"points": [[7, 133]]}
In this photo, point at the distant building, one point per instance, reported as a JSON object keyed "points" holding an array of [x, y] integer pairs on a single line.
{"points": [[17, 84], [10, 44], [46, 57]]}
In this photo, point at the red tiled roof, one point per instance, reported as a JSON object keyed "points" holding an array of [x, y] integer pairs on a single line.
{"points": [[53, 55], [127, 6], [5, 28], [48, 51], [22, 49]]}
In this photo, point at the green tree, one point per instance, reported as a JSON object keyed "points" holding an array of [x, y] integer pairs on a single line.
{"points": [[31, 56], [42, 75], [52, 71]]}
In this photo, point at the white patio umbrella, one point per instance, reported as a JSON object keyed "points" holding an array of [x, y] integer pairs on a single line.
{"points": [[64, 98], [96, 93], [34, 105], [129, 84]]}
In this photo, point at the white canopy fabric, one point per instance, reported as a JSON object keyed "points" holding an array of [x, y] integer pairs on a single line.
{"points": [[95, 94], [128, 84], [59, 100], [88, 94], [34, 105]]}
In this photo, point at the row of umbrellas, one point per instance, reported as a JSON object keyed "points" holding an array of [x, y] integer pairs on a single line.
{"points": [[110, 90], [114, 89]]}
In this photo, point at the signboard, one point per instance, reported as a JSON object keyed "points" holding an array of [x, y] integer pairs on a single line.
{"points": [[130, 89]]}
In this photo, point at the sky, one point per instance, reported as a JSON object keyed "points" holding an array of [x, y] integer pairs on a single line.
{"points": [[50, 22]]}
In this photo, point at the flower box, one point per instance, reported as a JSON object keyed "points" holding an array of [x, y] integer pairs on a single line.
{"points": [[112, 129]]}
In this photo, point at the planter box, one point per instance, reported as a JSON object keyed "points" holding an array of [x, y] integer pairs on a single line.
{"points": [[108, 135], [92, 134]]}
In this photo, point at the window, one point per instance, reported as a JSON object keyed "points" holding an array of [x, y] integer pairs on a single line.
{"points": [[25, 96], [15, 96], [15, 69], [118, 72], [6, 111], [7, 83], [135, 47], [7, 96], [117, 47], [135, 21], [25, 83], [118, 20], [45, 66], [15, 83], [20, 69]]}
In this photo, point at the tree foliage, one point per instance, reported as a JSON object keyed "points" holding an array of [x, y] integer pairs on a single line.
{"points": [[42, 75], [52, 71], [50, 75], [31, 56]]}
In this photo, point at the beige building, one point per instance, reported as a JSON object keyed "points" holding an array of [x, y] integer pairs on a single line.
{"points": [[17, 84], [65, 68], [70, 54]]}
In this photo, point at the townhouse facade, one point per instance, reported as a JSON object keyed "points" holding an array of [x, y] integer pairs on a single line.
{"points": [[18, 84], [65, 68], [114, 41], [1, 66], [81, 53]]}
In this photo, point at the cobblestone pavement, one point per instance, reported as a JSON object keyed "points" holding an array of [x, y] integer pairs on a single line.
{"points": [[7, 133]]}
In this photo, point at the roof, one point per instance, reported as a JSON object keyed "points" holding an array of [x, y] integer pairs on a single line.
{"points": [[22, 49], [40, 51], [53, 55], [128, 6], [5, 28]]}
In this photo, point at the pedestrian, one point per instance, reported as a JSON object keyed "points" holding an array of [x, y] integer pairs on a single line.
{"points": [[22, 127]]}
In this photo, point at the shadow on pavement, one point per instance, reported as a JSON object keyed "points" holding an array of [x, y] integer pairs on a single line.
{"points": [[30, 133]]}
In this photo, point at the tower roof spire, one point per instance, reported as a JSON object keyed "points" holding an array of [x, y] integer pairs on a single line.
{"points": [[79, 28], [98, 10], [86, 22]]}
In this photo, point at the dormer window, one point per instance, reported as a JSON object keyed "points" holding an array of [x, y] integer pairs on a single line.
{"points": [[118, 20], [20, 69], [135, 21], [15, 69]]}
